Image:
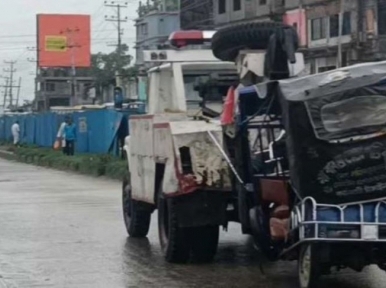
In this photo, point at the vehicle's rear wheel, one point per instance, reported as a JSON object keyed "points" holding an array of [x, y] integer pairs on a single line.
{"points": [[175, 242], [308, 266], [204, 241], [137, 218]]}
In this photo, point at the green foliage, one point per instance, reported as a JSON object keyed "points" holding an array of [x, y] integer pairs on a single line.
{"points": [[116, 169], [104, 67], [88, 164]]}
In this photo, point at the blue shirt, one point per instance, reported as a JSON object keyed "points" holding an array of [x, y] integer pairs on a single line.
{"points": [[118, 100], [70, 132]]}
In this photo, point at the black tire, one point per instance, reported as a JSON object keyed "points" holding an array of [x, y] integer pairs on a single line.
{"points": [[174, 240], [262, 234], [309, 269], [227, 42], [204, 243], [137, 218]]}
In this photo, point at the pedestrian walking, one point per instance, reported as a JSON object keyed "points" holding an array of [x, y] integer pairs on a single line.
{"points": [[15, 129], [70, 137], [60, 136]]}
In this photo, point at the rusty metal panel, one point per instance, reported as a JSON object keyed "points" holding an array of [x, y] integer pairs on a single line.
{"points": [[162, 136], [142, 173], [170, 181], [141, 131], [141, 160], [208, 163], [163, 143]]}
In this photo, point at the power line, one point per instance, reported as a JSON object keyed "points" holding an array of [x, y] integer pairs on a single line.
{"points": [[10, 86], [118, 5], [86, 37], [34, 35], [5, 92], [18, 93]]}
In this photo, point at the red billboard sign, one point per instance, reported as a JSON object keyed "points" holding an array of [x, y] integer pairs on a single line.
{"points": [[63, 40]]}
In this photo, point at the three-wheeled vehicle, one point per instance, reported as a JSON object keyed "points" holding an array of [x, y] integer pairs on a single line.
{"points": [[306, 155], [311, 153]]}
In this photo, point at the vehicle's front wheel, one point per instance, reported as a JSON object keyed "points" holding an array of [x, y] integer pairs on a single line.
{"points": [[175, 242], [308, 266], [204, 243], [137, 218]]}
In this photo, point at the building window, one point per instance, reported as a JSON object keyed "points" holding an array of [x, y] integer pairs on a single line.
{"points": [[381, 17], [334, 24], [50, 87], [263, 2], [236, 5], [318, 29], [221, 6], [144, 29]]}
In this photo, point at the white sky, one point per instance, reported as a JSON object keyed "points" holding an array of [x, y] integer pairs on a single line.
{"points": [[18, 31]]}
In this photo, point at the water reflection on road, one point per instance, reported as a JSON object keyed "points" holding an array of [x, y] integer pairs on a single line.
{"points": [[63, 230]]}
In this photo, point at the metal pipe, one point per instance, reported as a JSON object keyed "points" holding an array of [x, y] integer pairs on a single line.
{"points": [[224, 154]]}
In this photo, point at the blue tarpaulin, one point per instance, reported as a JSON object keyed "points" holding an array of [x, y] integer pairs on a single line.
{"points": [[97, 130]]}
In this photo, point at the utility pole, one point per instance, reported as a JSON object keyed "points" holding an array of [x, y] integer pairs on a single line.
{"points": [[341, 16], [5, 92], [34, 49], [119, 20], [18, 93], [69, 32], [11, 71]]}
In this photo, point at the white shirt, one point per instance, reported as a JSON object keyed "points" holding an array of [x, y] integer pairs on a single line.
{"points": [[15, 129], [61, 133]]}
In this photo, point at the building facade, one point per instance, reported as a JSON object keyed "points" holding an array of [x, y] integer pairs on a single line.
{"points": [[363, 35], [196, 14], [54, 88], [153, 28]]}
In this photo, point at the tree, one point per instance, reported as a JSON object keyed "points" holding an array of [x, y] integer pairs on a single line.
{"points": [[104, 67]]}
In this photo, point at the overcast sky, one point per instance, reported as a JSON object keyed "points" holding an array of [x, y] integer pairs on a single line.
{"points": [[18, 31]]}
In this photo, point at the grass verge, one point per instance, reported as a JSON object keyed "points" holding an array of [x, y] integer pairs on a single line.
{"points": [[88, 164]]}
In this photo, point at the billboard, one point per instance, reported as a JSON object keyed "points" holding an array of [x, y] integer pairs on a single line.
{"points": [[63, 40]]}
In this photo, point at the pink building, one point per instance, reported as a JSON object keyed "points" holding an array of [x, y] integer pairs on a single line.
{"points": [[297, 18]]}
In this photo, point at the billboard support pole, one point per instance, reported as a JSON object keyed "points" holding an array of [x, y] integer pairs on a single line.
{"points": [[70, 34]]}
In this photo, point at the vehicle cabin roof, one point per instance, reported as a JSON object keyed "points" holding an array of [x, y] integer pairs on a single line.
{"points": [[210, 65], [326, 83]]}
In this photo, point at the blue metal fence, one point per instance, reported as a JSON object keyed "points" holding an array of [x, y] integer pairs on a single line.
{"points": [[97, 130]]}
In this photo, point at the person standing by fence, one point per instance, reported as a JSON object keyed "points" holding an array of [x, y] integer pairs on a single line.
{"points": [[15, 129], [70, 137], [60, 136]]}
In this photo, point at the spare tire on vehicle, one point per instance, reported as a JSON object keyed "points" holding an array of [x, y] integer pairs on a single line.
{"points": [[227, 42]]}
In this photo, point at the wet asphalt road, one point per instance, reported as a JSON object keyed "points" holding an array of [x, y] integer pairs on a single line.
{"points": [[64, 230]]}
